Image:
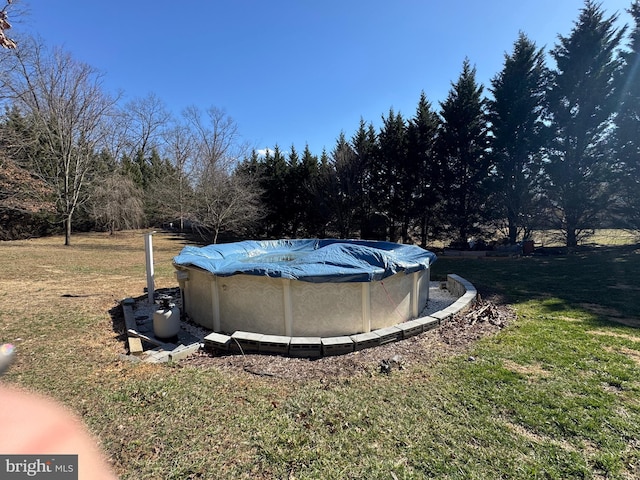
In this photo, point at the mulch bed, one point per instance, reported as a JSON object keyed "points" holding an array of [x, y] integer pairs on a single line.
{"points": [[452, 337]]}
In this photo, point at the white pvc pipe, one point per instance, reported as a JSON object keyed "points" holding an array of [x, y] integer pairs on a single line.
{"points": [[148, 249]]}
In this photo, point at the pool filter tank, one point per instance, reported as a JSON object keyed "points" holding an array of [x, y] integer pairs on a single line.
{"points": [[166, 319]]}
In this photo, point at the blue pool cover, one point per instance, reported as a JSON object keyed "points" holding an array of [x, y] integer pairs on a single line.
{"points": [[314, 260]]}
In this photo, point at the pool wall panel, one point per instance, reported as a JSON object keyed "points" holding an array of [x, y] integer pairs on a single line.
{"points": [[326, 309], [391, 300], [198, 298], [252, 304]]}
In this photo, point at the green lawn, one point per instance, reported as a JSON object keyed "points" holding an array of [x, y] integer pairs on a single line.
{"points": [[554, 395]]}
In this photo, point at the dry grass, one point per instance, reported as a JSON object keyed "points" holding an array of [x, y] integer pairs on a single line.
{"points": [[57, 302], [602, 236], [615, 335], [528, 402], [531, 370], [554, 238]]}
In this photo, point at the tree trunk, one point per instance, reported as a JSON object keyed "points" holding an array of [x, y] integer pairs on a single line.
{"points": [[423, 231], [513, 231], [391, 235], [405, 231], [463, 237], [67, 231], [572, 240]]}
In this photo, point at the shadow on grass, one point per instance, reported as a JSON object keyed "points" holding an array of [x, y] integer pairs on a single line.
{"points": [[117, 322], [601, 281], [117, 316]]}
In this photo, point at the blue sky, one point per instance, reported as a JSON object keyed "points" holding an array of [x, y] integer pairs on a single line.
{"points": [[296, 72]]}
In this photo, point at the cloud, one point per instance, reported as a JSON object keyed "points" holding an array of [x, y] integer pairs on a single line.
{"points": [[262, 152]]}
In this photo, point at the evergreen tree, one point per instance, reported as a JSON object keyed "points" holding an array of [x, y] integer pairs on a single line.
{"points": [[275, 187], [307, 177], [131, 169], [156, 178], [628, 131], [251, 165], [421, 151], [142, 165], [365, 147], [294, 192], [158, 168], [27, 204], [105, 164], [252, 168], [324, 159], [406, 174], [389, 175], [322, 211], [20, 138], [582, 100], [462, 146], [344, 187], [517, 124]]}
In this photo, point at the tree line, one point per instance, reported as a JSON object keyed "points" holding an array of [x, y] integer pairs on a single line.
{"points": [[548, 146]]}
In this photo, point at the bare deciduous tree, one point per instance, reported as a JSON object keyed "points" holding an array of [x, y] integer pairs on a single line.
{"points": [[223, 200], [144, 120], [137, 127], [226, 202], [179, 150], [64, 99]]}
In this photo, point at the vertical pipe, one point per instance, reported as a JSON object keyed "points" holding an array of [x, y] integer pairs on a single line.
{"points": [[148, 249]]}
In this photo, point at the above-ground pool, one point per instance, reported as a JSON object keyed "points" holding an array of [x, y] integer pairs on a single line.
{"points": [[303, 288]]}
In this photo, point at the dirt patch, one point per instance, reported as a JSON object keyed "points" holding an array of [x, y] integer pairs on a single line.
{"points": [[615, 335], [541, 439], [452, 337], [532, 370], [632, 354], [569, 319], [629, 352]]}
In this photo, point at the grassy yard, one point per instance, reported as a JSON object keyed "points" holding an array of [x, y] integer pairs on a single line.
{"points": [[554, 395]]}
